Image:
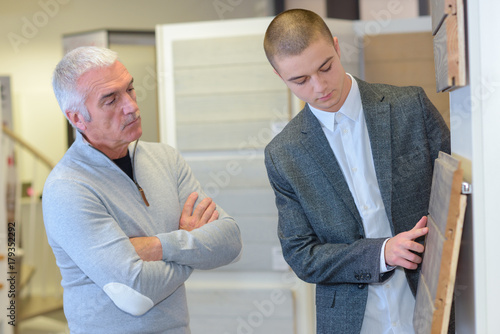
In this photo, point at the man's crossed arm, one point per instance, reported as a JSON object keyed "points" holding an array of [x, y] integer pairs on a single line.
{"points": [[149, 248]]}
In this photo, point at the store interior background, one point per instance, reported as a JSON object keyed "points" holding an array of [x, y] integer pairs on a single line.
{"points": [[31, 46]]}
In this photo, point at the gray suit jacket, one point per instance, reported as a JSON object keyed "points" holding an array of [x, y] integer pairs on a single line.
{"points": [[320, 228]]}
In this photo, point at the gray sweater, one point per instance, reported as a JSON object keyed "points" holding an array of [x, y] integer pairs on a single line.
{"points": [[91, 208]]}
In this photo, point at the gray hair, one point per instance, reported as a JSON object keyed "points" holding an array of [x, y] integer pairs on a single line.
{"points": [[71, 67]]}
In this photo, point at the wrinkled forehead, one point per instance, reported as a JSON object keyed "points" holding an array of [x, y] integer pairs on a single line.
{"points": [[98, 80]]}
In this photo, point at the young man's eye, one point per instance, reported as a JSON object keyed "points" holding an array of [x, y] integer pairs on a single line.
{"points": [[300, 83], [326, 69]]}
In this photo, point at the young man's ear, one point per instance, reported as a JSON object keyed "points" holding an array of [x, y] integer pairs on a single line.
{"points": [[336, 46], [77, 120]]}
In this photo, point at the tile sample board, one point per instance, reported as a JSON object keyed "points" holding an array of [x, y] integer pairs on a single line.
{"points": [[445, 222]]}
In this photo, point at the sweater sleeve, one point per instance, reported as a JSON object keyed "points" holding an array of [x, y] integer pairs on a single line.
{"points": [[77, 222], [213, 245]]}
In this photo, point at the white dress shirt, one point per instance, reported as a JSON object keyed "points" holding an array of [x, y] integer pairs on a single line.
{"points": [[390, 305]]}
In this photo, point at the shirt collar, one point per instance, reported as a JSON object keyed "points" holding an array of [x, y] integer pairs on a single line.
{"points": [[351, 108]]}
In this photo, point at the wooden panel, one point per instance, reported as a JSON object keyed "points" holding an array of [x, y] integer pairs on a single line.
{"points": [[440, 9], [441, 59], [402, 60], [405, 73], [397, 47], [438, 13], [449, 48], [445, 222]]}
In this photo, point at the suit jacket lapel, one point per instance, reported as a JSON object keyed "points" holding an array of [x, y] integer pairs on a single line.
{"points": [[317, 146], [377, 115]]}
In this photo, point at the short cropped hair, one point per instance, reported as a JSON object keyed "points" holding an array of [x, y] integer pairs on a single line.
{"points": [[292, 31], [71, 67]]}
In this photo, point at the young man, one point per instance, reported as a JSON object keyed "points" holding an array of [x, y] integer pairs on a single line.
{"points": [[352, 176], [127, 221]]}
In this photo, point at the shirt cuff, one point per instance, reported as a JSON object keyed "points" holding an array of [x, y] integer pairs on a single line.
{"points": [[383, 266]]}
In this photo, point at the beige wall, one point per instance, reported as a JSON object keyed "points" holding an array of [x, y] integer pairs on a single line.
{"points": [[405, 60], [30, 47]]}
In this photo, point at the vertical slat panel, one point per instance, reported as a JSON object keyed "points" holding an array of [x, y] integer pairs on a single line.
{"points": [[437, 277]]}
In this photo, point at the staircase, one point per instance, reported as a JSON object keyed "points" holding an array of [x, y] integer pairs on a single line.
{"points": [[28, 271]]}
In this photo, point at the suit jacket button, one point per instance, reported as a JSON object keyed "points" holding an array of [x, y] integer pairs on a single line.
{"points": [[368, 276], [356, 277], [361, 286]]}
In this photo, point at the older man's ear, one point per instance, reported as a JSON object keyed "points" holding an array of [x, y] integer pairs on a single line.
{"points": [[77, 120]]}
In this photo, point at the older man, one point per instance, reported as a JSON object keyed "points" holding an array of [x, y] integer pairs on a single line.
{"points": [[127, 221]]}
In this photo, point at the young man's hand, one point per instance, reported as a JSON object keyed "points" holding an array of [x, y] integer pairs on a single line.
{"points": [[397, 249]]}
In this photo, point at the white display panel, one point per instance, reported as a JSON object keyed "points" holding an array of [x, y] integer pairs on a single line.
{"points": [[220, 103]]}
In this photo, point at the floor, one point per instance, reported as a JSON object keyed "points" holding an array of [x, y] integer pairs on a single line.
{"points": [[51, 323]]}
